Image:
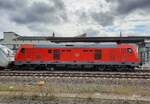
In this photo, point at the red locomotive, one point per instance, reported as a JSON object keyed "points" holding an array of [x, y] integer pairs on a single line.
{"points": [[103, 56]]}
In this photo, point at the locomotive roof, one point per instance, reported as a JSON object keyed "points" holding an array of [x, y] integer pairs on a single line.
{"points": [[78, 46]]}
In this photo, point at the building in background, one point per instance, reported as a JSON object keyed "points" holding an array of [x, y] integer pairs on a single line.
{"points": [[13, 40]]}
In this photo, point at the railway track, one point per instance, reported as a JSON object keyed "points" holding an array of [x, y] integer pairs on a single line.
{"points": [[70, 74]]}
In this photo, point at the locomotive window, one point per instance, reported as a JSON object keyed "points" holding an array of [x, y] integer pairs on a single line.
{"points": [[98, 54], [49, 51], [129, 50], [56, 54], [23, 50]]}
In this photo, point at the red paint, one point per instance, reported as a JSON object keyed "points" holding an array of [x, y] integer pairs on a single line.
{"points": [[118, 54]]}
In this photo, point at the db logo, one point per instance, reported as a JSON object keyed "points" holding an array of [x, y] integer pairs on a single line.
{"points": [[77, 54]]}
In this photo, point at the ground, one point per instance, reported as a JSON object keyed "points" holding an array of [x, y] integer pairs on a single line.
{"points": [[74, 90]]}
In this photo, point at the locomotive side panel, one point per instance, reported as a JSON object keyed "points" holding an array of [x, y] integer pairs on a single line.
{"points": [[124, 55]]}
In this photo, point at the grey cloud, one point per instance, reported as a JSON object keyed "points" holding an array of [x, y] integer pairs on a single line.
{"points": [[119, 8], [42, 13], [83, 17], [91, 32], [38, 28], [12, 4], [38, 12], [59, 4], [21, 12], [103, 19], [39, 15], [128, 6]]}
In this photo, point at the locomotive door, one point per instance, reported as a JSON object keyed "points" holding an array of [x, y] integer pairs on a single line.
{"points": [[26, 53], [124, 55], [112, 53], [98, 54], [56, 55], [29, 54]]}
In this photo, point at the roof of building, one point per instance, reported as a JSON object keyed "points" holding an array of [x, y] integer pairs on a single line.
{"points": [[131, 39], [12, 33], [87, 39], [32, 38], [98, 39]]}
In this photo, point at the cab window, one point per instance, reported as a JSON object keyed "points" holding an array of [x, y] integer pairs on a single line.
{"points": [[23, 50], [129, 50]]}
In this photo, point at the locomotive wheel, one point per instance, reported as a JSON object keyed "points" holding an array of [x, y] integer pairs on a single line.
{"points": [[50, 68], [119, 69], [131, 69], [100, 68], [7, 69]]}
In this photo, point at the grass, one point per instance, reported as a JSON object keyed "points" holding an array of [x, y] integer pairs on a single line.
{"points": [[55, 88]]}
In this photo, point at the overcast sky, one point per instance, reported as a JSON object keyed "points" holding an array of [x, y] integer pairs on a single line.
{"points": [[74, 17]]}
